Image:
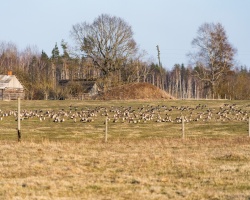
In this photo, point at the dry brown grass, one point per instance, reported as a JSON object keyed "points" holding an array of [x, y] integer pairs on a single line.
{"points": [[126, 169]]}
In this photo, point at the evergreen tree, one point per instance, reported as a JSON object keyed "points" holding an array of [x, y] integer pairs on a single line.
{"points": [[55, 54]]}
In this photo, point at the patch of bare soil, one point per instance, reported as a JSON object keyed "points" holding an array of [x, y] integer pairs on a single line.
{"points": [[134, 91]]}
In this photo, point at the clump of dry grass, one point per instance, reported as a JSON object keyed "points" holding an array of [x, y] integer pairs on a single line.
{"points": [[126, 169]]}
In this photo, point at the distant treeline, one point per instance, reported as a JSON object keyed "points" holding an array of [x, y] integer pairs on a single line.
{"points": [[41, 75]]}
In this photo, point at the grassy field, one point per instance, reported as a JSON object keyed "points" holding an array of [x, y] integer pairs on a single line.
{"points": [[143, 159]]}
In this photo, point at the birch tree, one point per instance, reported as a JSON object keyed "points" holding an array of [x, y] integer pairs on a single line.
{"points": [[213, 56]]}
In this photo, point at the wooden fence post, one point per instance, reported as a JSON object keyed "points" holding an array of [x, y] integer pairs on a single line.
{"points": [[249, 127], [18, 120], [183, 127], [106, 130]]}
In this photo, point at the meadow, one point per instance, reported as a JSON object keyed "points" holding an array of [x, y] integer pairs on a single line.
{"points": [[62, 154]]}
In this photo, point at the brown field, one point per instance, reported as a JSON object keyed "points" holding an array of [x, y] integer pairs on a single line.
{"points": [[151, 160]]}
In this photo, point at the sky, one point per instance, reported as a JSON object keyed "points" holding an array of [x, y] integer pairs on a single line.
{"points": [[171, 24]]}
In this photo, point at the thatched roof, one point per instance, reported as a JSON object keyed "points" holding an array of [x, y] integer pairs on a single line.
{"points": [[87, 86]]}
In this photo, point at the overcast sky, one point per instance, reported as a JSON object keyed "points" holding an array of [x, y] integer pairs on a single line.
{"points": [[171, 24]]}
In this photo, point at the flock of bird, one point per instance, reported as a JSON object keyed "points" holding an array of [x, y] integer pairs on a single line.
{"points": [[141, 114]]}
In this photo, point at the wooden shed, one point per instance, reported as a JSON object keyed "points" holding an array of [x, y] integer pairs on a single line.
{"points": [[88, 88], [10, 87]]}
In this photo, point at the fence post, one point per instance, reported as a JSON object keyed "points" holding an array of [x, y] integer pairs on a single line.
{"points": [[106, 130], [249, 127], [18, 120], [183, 127]]}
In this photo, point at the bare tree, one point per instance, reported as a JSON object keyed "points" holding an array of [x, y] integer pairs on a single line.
{"points": [[9, 57], [213, 56], [108, 41]]}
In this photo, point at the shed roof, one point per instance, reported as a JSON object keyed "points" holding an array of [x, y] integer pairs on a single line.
{"points": [[9, 81], [88, 85]]}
